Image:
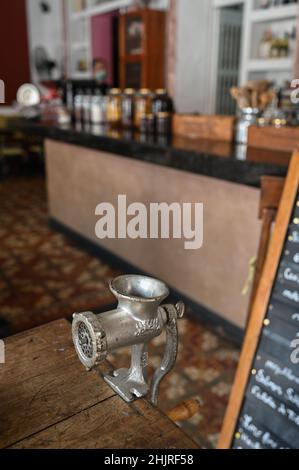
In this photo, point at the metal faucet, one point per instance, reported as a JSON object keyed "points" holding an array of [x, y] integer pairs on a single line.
{"points": [[137, 319]]}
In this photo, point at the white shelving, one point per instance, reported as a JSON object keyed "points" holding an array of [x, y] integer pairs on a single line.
{"points": [[275, 13], [78, 15], [280, 19], [269, 65], [81, 75], [76, 46]]}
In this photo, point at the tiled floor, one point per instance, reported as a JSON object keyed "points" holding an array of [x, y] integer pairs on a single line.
{"points": [[43, 276]]}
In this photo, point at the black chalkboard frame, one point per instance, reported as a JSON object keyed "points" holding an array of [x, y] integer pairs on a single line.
{"points": [[260, 304]]}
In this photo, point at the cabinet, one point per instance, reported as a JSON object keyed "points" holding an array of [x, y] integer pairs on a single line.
{"points": [[142, 49]]}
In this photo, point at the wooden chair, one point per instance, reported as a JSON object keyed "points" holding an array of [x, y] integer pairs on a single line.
{"points": [[271, 191]]}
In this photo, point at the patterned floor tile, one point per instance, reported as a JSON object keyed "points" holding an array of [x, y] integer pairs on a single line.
{"points": [[43, 277]]}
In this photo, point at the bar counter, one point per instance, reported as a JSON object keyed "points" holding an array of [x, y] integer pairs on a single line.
{"points": [[221, 160], [88, 166]]}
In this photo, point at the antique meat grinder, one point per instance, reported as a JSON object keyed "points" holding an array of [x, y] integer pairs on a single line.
{"points": [[137, 319]]}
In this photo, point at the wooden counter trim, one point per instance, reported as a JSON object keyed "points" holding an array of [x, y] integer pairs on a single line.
{"points": [[260, 304], [212, 127], [276, 138]]}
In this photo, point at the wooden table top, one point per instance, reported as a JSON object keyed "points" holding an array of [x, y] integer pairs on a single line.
{"points": [[48, 400]]}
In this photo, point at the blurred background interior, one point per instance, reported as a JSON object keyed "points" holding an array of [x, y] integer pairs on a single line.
{"points": [[162, 100]]}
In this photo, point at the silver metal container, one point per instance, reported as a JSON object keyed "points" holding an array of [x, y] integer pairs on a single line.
{"points": [[98, 110], [247, 117]]}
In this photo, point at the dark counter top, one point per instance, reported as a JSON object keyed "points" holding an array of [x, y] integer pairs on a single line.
{"points": [[215, 159]]}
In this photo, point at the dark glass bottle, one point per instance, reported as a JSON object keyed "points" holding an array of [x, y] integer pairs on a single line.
{"points": [[163, 123], [127, 108], [162, 103]]}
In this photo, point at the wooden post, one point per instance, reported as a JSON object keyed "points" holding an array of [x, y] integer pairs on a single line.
{"points": [[296, 64], [171, 28]]}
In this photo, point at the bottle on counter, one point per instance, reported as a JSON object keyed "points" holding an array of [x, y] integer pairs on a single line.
{"points": [[162, 103], [78, 106], [247, 117], [98, 109], [87, 105], [163, 123], [143, 105], [147, 124], [114, 107], [265, 45], [127, 108], [70, 97]]}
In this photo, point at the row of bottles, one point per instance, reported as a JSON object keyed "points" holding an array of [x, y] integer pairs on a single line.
{"points": [[143, 110]]}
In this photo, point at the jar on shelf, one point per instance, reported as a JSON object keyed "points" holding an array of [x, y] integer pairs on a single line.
{"points": [[143, 104], [265, 45], [127, 108], [161, 102], [275, 48], [114, 107]]}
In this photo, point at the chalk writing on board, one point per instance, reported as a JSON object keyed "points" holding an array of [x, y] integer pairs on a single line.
{"points": [[295, 354], [270, 401], [269, 414], [285, 372], [291, 295], [294, 236], [265, 380], [253, 436], [290, 275], [292, 396], [263, 396]]}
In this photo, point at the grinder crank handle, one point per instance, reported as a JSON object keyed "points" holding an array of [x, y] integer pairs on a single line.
{"points": [[172, 312]]}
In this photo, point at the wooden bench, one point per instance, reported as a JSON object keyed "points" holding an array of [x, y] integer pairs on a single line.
{"points": [[48, 400]]}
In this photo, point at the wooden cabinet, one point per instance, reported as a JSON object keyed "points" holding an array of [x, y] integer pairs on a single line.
{"points": [[142, 49]]}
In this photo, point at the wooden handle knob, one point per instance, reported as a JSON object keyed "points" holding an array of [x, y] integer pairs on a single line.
{"points": [[184, 410]]}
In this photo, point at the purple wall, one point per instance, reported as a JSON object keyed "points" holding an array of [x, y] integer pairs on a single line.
{"points": [[101, 37]]}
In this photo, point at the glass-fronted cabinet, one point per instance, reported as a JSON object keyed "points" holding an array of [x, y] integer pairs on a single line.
{"points": [[142, 49]]}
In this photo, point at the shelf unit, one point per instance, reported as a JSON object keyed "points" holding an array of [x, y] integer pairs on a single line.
{"points": [[274, 13], [257, 20], [269, 65]]}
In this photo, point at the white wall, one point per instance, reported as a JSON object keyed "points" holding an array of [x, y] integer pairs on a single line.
{"points": [[196, 49], [46, 30]]}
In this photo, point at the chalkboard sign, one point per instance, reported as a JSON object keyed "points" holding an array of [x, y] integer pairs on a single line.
{"points": [[263, 411]]}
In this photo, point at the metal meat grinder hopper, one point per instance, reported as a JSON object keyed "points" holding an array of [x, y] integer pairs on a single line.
{"points": [[137, 319]]}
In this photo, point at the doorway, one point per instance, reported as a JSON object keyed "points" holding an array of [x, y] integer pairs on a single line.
{"points": [[228, 65]]}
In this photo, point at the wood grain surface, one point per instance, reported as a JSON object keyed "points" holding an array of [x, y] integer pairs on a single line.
{"points": [[213, 127], [276, 138], [48, 400]]}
